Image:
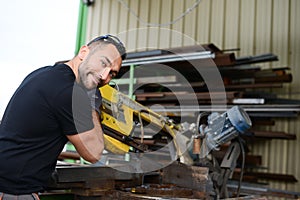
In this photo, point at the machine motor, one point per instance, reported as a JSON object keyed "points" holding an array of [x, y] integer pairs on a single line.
{"points": [[222, 128]]}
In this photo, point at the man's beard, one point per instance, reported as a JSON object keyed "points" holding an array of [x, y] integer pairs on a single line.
{"points": [[86, 79]]}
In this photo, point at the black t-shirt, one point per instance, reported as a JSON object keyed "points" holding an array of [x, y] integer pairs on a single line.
{"points": [[47, 106]]}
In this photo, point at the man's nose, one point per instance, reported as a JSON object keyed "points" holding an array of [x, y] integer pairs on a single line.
{"points": [[105, 73]]}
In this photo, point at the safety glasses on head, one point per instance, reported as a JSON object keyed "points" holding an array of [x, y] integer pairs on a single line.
{"points": [[113, 40]]}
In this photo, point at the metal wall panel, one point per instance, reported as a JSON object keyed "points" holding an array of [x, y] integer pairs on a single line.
{"points": [[143, 33], [217, 19], [231, 24], [246, 36], [254, 26], [293, 60], [178, 9], [189, 25], [263, 27], [166, 16], [154, 18]]}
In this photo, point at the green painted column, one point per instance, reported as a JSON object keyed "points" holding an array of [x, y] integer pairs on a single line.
{"points": [[81, 26]]}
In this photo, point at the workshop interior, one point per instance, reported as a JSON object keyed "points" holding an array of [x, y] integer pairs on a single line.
{"points": [[206, 104]]}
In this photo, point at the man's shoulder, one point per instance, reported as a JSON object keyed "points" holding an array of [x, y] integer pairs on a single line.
{"points": [[59, 70], [55, 71], [57, 75], [51, 81]]}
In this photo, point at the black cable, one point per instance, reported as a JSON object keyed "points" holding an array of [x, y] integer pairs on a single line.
{"points": [[242, 167]]}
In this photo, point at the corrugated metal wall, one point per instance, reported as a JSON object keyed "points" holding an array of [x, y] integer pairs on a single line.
{"points": [[254, 26]]}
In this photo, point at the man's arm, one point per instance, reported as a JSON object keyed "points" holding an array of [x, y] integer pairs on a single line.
{"points": [[89, 144]]}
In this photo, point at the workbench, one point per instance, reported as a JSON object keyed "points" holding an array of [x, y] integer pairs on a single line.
{"points": [[106, 182]]}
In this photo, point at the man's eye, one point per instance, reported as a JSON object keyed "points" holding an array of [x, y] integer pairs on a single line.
{"points": [[103, 64], [112, 74]]}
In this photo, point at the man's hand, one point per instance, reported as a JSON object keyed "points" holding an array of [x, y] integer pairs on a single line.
{"points": [[96, 99]]}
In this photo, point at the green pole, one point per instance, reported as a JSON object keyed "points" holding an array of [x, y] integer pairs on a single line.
{"points": [[81, 26]]}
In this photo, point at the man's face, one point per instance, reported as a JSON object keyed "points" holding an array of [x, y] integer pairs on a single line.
{"points": [[99, 66]]}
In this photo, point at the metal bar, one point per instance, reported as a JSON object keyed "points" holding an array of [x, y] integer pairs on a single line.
{"points": [[256, 59], [169, 58], [219, 108], [259, 189]]}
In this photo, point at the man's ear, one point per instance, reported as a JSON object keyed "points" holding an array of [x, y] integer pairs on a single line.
{"points": [[83, 52]]}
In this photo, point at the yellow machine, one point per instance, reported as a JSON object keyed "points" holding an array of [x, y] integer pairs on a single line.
{"points": [[131, 127], [124, 122]]}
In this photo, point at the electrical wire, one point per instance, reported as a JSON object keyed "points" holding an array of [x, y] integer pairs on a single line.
{"points": [[142, 127], [116, 85], [141, 123], [242, 167], [188, 10]]}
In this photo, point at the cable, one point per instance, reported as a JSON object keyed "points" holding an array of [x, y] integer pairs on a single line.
{"points": [[141, 122], [190, 9], [142, 127], [116, 85], [242, 167]]}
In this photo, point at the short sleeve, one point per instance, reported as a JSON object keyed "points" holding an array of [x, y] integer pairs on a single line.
{"points": [[74, 111]]}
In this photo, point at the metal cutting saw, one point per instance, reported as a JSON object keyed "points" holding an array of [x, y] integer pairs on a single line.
{"points": [[154, 141], [131, 127]]}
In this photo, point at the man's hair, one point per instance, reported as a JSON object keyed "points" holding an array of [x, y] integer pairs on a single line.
{"points": [[110, 39]]}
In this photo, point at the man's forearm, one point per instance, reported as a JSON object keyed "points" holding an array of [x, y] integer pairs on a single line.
{"points": [[98, 128], [90, 144]]}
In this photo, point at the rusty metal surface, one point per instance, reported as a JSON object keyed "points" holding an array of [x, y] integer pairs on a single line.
{"points": [[103, 181], [176, 181]]}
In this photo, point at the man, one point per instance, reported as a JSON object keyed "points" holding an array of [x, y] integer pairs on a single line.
{"points": [[53, 105]]}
